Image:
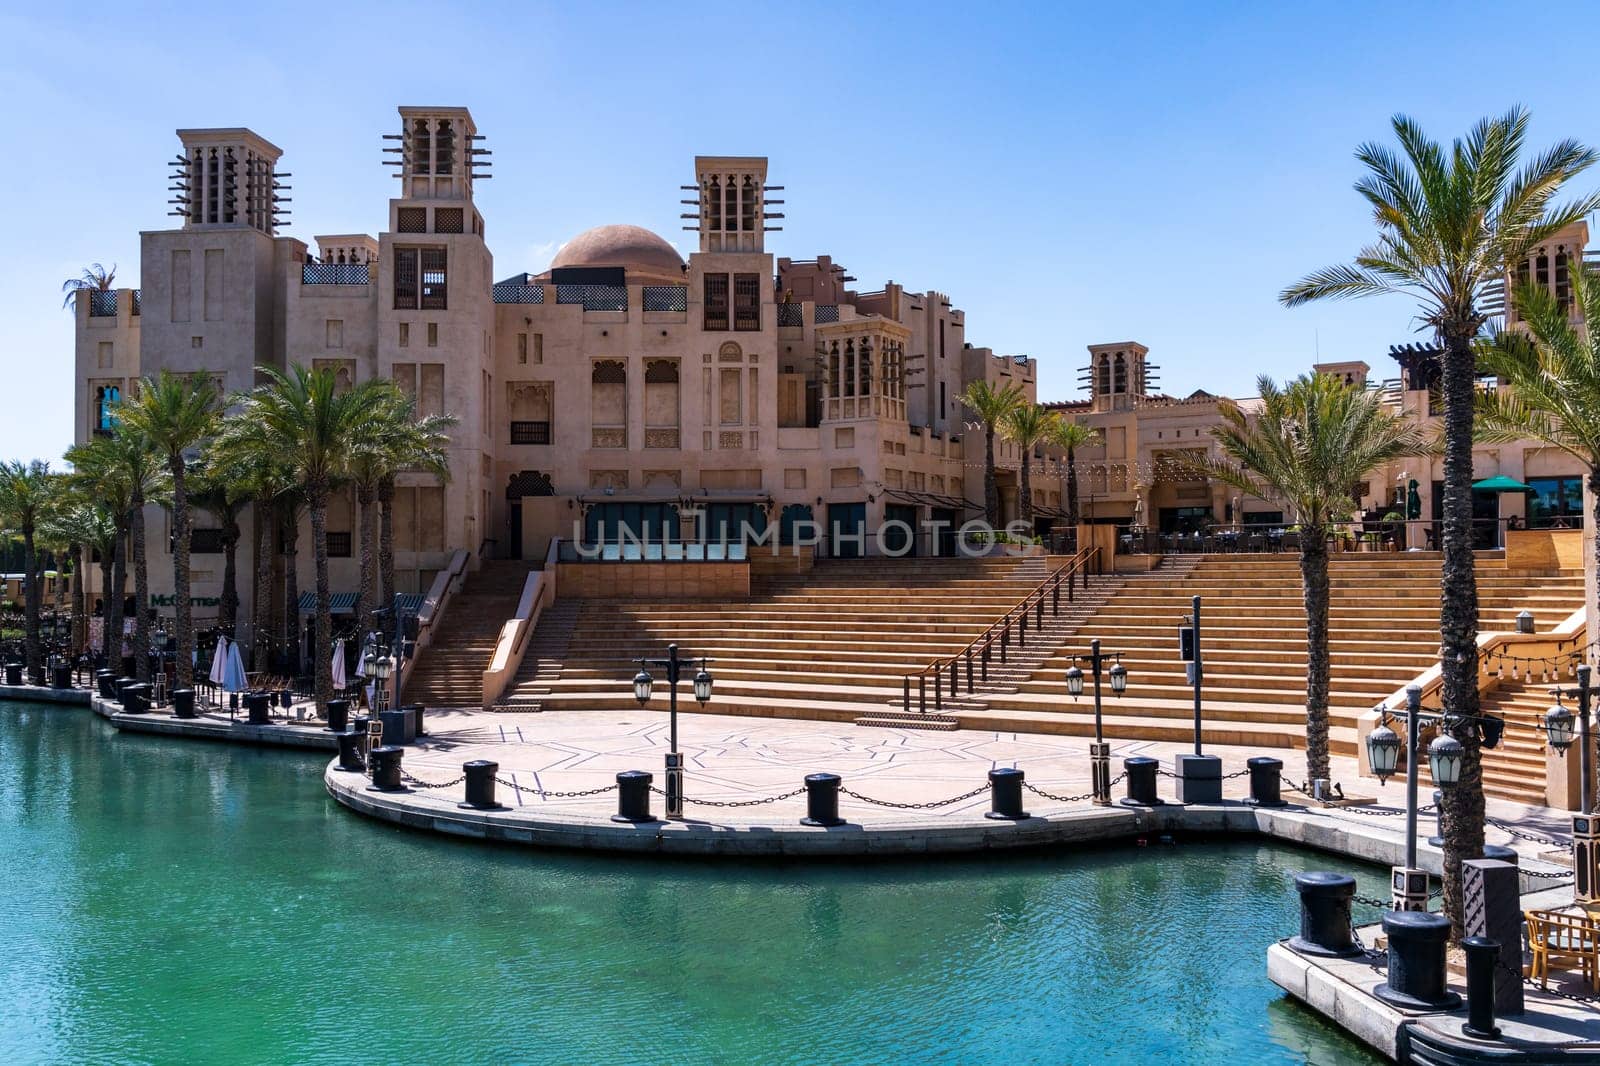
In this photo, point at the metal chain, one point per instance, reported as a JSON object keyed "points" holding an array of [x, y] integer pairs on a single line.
{"points": [[553, 795], [915, 806], [1529, 981], [739, 803], [1381, 904], [419, 783], [1059, 799], [1532, 838], [1543, 876]]}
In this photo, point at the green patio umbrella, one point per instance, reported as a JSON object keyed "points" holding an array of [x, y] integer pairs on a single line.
{"points": [[1500, 483]]}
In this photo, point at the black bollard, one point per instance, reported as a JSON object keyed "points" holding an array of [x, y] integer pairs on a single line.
{"points": [[1416, 961], [285, 698], [398, 727], [1141, 773], [363, 724], [1005, 794], [13, 673], [417, 710], [480, 785], [1325, 915], [633, 797], [120, 685], [1483, 954], [259, 704], [61, 675], [1500, 852], [1266, 775], [352, 749], [338, 715], [822, 800], [386, 768], [183, 703], [106, 682], [136, 697]]}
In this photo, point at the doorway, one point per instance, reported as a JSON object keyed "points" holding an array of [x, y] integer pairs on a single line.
{"points": [[847, 530]]}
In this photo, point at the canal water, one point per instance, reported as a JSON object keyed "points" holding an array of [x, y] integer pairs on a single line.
{"points": [[173, 901]]}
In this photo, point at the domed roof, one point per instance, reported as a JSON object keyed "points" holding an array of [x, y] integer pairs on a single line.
{"points": [[631, 247]]}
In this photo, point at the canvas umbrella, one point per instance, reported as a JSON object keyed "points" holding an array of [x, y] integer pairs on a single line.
{"points": [[340, 679], [219, 662], [1500, 483], [233, 677]]}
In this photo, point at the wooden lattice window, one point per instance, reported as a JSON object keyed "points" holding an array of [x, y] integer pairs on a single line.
{"points": [[716, 303], [747, 301], [447, 219], [411, 220], [609, 372], [529, 483], [338, 545], [405, 278], [434, 288], [660, 372]]}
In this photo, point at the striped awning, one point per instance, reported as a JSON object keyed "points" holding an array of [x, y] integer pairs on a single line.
{"points": [[410, 602], [338, 602]]}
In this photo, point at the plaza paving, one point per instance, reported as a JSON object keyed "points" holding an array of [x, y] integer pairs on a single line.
{"points": [[743, 759]]}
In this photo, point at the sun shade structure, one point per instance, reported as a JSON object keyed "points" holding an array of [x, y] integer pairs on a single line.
{"points": [[1500, 483]]}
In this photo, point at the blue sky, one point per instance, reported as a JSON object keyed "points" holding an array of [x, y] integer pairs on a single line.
{"points": [[1070, 174]]}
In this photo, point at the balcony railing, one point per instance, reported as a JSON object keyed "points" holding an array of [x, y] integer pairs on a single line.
{"points": [[594, 297], [827, 313], [334, 274], [791, 315], [666, 297], [102, 303], [511, 292], [530, 432]]}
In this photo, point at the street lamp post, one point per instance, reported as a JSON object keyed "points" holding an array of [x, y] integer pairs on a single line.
{"points": [[1199, 775], [1099, 751], [1558, 724], [1409, 884], [642, 686]]}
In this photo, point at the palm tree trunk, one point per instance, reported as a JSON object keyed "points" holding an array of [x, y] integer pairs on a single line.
{"points": [[1314, 585], [228, 608], [106, 578], [117, 594], [1072, 490], [1462, 812], [80, 622], [141, 591], [260, 589], [180, 573], [32, 603], [991, 484], [386, 589], [322, 646], [291, 595], [1594, 490], [1025, 495], [366, 595]]}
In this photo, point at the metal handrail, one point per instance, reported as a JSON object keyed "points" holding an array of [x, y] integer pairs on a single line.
{"points": [[999, 634]]}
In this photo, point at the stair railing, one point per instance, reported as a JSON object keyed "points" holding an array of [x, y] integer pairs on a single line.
{"points": [[997, 639]]}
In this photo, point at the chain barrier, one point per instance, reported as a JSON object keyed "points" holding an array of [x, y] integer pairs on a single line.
{"points": [[536, 791], [1531, 983], [1059, 799], [1381, 904], [417, 782], [1540, 875], [1532, 838], [930, 805], [735, 803]]}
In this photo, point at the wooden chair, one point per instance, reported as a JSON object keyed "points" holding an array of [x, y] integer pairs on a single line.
{"points": [[1565, 941]]}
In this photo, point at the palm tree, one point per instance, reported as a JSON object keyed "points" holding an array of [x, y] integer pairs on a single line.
{"points": [[1449, 226], [27, 491], [991, 405], [122, 472], [224, 486], [1313, 440], [1550, 377], [1025, 426], [176, 413], [89, 526], [305, 419], [424, 445], [95, 278], [1069, 436]]}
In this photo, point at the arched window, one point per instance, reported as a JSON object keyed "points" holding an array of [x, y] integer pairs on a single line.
{"points": [[866, 366], [421, 147], [714, 203], [1563, 283], [444, 148], [833, 369], [1102, 374], [106, 398], [849, 367], [1120, 375]]}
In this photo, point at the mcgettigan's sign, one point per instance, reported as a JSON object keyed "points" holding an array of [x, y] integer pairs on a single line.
{"points": [[166, 599]]}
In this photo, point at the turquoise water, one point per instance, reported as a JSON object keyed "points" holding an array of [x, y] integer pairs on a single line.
{"points": [[167, 901]]}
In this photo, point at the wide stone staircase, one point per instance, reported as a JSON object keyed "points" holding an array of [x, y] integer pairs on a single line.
{"points": [[449, 672], [1384, 619], [833, 643]]}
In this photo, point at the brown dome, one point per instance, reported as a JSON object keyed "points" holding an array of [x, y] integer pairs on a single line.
{"points": [[630, 247]]}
